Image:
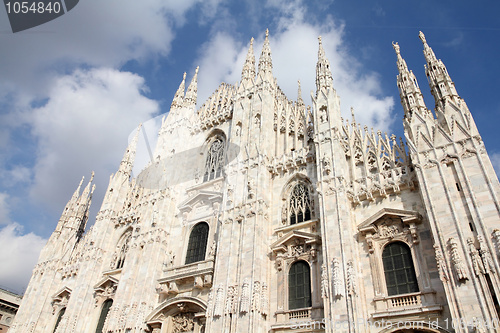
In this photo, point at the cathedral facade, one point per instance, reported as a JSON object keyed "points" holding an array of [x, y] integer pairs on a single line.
{"points": [[262, 214]]}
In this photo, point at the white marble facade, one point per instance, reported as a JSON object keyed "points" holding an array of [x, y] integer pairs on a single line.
{"points": [[261, 214]]}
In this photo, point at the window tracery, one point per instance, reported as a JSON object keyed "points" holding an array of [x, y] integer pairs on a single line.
{"points": [[299, 204], [122, 249], [215, 160]]}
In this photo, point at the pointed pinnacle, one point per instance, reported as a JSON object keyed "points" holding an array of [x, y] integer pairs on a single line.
{"points": [[179, 94], [192, 91], [265, 61], [299, 92], [248, 71], [77, 191]]}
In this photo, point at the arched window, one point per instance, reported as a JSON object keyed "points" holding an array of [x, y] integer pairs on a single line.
{"points": [[299, 286], [59, 317], [123, 245], [197, 245], [215, 160], [104, 313], [299, 204], [399, 271]]}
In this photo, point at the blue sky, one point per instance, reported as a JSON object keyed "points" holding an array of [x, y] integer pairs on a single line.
{"points": [[72, 90]]}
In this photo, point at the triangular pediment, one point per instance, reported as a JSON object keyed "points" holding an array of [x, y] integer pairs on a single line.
{"points": [[406, 216], [200, 198], [61, 294], [294, 237], [106, 282]]}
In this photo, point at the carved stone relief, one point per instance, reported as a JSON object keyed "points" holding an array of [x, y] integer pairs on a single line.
{"points": [[457, 261], [441, 264], [338, 281]]}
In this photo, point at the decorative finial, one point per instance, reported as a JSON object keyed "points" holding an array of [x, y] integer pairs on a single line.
{"points": [[422, 37], [251, 41], [184, 76], [267, 33], [395, 45], [352, 114], [299, 91], [319, 38]]}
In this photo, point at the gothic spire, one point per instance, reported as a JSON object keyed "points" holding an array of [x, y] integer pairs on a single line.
{"points": [[300, 101], [128, 158], [86, 192], [440, 82], [409, 91], [83, 207], [179, 95], [248, 71], [324, 76], [77, 191], [430, 57], [265, 61], [192, 91]]}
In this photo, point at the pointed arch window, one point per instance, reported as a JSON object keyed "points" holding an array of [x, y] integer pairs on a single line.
{"points": [[299, 204], [399, 271], [215, 160], [104, 313], [59, 317], [197, 245], [122, 249], [299, 285]]}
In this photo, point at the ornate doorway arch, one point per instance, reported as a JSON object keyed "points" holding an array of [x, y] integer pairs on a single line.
{"points": [[183, 314]]}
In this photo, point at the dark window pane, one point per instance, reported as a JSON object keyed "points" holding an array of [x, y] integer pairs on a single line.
{"points": [[197, 245], [104, 313], [59, 317], [399, 271], [299, 286]]}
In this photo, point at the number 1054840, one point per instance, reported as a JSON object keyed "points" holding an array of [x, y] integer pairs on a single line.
{"points": [[33, 7]]}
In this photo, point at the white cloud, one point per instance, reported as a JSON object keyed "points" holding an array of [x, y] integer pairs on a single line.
{"points": [[294, 52], [18, 255], [95, 33], [84, 127]]}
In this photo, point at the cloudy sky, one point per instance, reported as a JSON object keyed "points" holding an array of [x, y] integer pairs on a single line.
{"points": [[72, 90]]}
